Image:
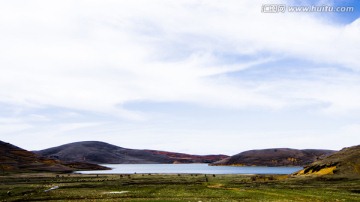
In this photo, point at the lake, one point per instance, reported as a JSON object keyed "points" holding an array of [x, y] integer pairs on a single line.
{"points": [[190, 168]]}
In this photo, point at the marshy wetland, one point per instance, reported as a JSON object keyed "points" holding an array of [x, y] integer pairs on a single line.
{"points": [[174, 187]]}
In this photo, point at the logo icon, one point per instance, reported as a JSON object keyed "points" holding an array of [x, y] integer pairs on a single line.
{"points": [[273, 8]]}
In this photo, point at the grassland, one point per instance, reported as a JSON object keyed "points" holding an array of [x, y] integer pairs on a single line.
{"points": [[145, 187]]}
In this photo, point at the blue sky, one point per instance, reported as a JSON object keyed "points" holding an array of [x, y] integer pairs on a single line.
{"points": [[187, 76]]}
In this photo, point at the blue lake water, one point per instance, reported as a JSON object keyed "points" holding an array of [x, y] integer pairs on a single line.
{"points": [[190, 168]]}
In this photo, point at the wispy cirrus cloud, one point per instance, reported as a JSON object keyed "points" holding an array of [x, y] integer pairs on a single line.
{"points": [[96, 57], [115, 52]]}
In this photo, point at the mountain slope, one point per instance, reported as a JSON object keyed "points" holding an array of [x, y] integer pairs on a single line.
{"points": [[13, 158], [101, 152], [275, 157], [189, 158], [345, 163]]}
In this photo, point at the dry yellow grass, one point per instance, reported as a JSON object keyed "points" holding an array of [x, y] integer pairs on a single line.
{"points": [[323, 171], [357, 168], [326, 171]]}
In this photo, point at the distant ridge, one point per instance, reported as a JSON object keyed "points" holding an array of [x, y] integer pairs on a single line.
{"points": [[345, 163], [105, 153], [13, 158], [275, 157]]}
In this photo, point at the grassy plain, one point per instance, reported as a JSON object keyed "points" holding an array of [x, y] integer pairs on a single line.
{"points": [[184, 187]]}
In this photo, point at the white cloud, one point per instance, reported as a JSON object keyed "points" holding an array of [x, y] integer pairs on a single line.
{"points": [[96, 56], [11, 125]]}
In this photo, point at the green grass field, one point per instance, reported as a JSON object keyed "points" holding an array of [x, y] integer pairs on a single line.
{"points": [[138, 187]]}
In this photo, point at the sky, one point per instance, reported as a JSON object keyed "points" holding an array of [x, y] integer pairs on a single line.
{"points": [[191, 76]]}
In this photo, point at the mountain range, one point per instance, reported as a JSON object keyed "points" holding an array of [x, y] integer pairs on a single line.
{"points": [[275, 157], [13, 158], [104, 153], [85, 155]]}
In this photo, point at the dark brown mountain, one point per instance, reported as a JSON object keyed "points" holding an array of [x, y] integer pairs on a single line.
{"points": [[275, 157], [104, 153], [189, 158], [345, 163], [13, 158]]}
